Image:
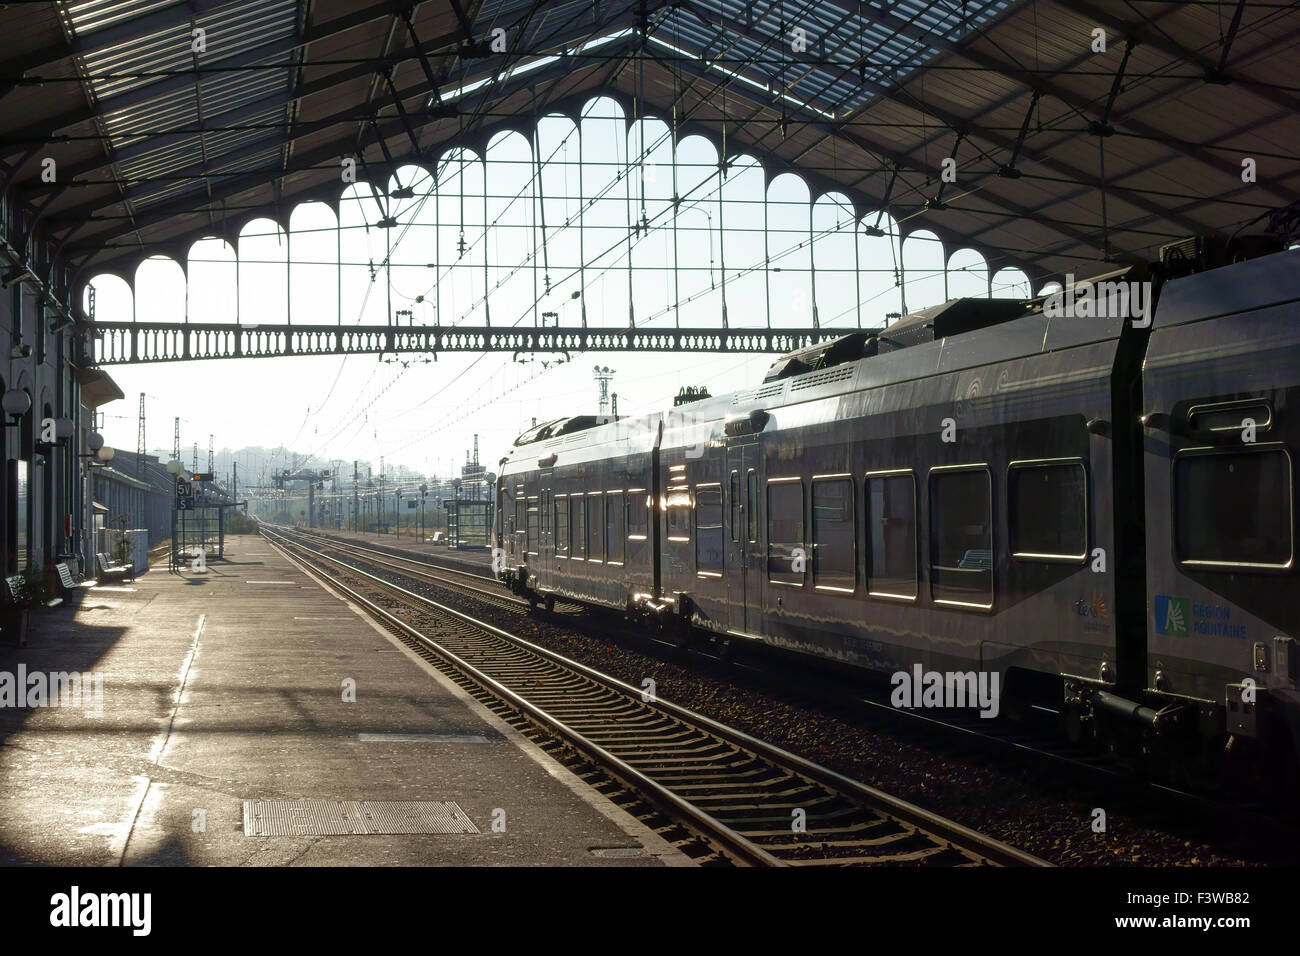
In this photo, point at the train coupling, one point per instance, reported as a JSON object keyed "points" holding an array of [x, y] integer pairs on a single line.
{"points": [[1090, 701]]}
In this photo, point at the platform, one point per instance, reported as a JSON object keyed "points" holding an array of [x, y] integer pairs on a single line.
{"points": [[228, 687]]}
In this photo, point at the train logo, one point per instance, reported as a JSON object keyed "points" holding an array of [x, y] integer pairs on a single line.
{"points": [[1171, 615], [1094, 611]]}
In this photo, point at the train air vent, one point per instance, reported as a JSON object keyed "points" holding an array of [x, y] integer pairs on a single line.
{"points": [[814, 379]]}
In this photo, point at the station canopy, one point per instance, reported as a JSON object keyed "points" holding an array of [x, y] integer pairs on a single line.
{"points": [[171, 121]]}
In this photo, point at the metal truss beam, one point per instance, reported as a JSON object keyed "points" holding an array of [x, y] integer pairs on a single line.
{"points": [[970, 128], [901, 160], [303, 162], [46, 131], [1156, 39], [148, 343], [1075, 101]]}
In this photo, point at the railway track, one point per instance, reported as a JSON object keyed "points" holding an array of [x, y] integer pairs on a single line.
{"points": [[493, 593], [761, 805], [395, 550], [947, 731]]}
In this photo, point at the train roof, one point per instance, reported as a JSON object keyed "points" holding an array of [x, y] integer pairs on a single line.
{"points": [[854, 361], [1252, 284]]}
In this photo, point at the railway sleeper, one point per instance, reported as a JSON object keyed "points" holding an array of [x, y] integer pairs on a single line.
{"points": [[666, 763], [760, 815], [724, 786], [702, 747], [878, 832], [620, 728], [817, 806]]}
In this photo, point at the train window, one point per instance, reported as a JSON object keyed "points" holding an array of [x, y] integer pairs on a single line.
{"points": [[636, 514], [708, 530], [534, 537], [615, 543], [1230, 416], [733, 491], [1234, 508], [561, 526], [834, 561], [578, 525], [751, 506], [961, 536], [785, 547], [595, 527], [1047, 503], [891, 535], [677, 512]]}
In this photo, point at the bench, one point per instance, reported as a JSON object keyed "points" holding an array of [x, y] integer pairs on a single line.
{"points": [[17, 604], [66, 580], [15, 593], [109, 571]]}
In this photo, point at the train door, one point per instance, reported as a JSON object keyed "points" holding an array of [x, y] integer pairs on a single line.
{"points": [[503, 517], [744, 561], [546, 538]]}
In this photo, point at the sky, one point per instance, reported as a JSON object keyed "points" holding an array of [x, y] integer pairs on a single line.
{"points": [[466, 253]]}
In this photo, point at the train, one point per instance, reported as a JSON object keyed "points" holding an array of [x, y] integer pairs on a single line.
{"points": [[1090, 501]]}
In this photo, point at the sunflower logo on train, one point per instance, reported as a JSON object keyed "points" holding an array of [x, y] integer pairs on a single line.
{"points": [[1093, 610]]}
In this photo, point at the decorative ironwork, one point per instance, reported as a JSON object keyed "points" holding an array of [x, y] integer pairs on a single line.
{"points": [[132, 343]]}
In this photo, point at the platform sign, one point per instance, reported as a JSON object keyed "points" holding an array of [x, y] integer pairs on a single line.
{"points": [[183, 488], [185, 503], [204, 476]]}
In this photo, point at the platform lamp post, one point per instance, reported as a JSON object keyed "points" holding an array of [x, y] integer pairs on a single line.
{"points": [[424, 493], [64, 429], [455, 484], [174, 468], [16, 403], [102, 455]]}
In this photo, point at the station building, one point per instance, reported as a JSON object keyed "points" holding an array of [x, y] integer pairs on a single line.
{"points": [[50, 394]]}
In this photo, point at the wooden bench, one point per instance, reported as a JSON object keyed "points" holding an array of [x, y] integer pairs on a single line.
{"points": [[110, 571]]}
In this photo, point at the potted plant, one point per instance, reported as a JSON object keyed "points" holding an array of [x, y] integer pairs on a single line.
{"points": [[122, 550], [122, 547]]}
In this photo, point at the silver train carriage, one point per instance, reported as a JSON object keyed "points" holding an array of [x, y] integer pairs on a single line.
{"points": [[1066, 502]]}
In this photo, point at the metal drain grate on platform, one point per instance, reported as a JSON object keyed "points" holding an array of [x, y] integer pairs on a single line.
{"points": [[352, 818]]}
